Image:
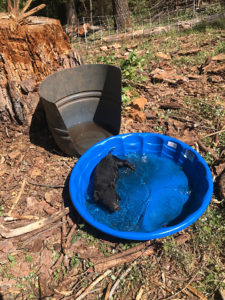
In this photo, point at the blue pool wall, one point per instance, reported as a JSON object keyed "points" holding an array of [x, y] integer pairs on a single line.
{"points": [[194, 166]]}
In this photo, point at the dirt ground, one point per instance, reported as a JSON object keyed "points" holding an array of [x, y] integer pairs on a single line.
{"points": [[62, 258]]}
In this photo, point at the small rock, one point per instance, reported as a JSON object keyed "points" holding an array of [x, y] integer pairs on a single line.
{"points": [[139, 103], [164, 56]]}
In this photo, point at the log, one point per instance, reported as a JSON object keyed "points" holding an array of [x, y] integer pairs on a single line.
{"points": [[28, 53], [161, 29]]}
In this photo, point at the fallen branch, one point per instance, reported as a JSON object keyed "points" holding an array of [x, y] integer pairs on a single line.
{"points": [[170, 105], [142, 250], [18, 197], [123, 275], [63, 234], [221, 184], [196, 292], [122, 254], [108, 291], [46, 185], [28, 238], [26, 6], [161, 29], [140, 293], [9, 233], [31, 12], [69, 236], [187, 285], [65, 243], [214, 133], [58, 262], [94, 283], [113, 262], [18, 218]]}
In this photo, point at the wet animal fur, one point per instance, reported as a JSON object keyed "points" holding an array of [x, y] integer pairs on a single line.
{"points": [[105, 176]]}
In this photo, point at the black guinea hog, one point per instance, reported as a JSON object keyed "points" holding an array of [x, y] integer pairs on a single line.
{"points": [[105, 175]]}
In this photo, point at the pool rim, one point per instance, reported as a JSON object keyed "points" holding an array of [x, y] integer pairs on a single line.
{"points": [[133, 235]]}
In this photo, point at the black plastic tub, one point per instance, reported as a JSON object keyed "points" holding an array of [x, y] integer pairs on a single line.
{"points": [[82, 106]]}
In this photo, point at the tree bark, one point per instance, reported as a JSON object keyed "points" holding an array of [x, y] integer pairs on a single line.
{"points": [[91, 12], [71, 13], [121, 12], [29, 53]]}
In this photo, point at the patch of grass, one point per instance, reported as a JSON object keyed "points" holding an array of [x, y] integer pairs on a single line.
{"points": [[107, 59], [220, 48], [11, 258], [209, 26], [209, 238], [209, 109], [210, 230], [192, 60], [132, 66], [126, 246], [28, 258], [75, 261], [1, 211]]}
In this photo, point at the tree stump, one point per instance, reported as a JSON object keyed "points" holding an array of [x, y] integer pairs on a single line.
{"points": [[28, 53]]}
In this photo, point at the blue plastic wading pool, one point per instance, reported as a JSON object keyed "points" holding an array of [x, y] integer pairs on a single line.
{"points": [[169, 190]]}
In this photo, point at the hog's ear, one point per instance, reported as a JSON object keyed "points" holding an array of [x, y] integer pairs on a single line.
{"points": [[113, 185], [96, 195]]}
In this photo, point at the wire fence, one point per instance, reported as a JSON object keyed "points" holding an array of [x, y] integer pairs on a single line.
{"points": [[97, 30]]}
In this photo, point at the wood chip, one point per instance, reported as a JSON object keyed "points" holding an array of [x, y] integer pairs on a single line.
{"points": [[196, 292]]}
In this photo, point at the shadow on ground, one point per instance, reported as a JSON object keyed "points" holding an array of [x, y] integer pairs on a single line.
{"points": [[40, 134]]}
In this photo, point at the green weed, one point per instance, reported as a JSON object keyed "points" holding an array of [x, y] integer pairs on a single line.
{"points": [[1, 211], [107, 59], [11, 258], [220, 48], [132, 66], [75, 261], [28, 258]]}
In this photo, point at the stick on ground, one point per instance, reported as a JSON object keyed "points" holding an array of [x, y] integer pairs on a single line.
{"points": [[18, 197], [9, 233], [124, 274], [94, 283]]}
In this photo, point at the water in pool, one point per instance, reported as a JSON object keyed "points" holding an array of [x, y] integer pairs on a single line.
{"points": [[151, 196]]}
